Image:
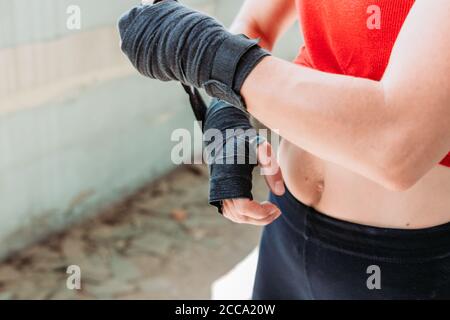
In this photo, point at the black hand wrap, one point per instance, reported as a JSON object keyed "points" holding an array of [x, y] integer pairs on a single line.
{"points": [[168, 41], [231, 155]]}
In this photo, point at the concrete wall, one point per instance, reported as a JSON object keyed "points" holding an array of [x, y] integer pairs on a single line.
{"points": [[79, 128]]}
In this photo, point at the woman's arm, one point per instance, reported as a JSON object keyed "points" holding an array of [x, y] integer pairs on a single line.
{"points": [[265, 19], [393, 131]]}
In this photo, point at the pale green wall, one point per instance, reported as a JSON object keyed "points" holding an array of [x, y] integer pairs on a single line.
{"points": [[39, 20], [62, 160]]}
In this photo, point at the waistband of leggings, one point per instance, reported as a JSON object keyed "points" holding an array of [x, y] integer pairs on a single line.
{"points": [[391, 243]]}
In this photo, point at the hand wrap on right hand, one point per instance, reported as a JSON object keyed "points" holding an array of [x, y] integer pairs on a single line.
{"points": [[231, 145]]}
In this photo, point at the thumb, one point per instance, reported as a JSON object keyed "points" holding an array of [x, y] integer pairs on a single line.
{"points": [[270, 168]]}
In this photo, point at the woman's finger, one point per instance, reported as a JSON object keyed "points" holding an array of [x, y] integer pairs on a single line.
{"points": [[270, 168], [261, 222], [253, 209]]}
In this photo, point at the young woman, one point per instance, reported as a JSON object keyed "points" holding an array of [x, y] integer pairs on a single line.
{"points": [[363, 194], [365, 117]]}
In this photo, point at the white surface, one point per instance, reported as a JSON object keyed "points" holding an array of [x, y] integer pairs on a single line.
{"points": [[237, 284]]}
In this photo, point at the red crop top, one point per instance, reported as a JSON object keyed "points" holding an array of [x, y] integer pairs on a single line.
{"points": [[352, 37]]}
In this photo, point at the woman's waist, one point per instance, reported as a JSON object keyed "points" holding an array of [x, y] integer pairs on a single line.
{"points": [[345, 195], [387, 244]]}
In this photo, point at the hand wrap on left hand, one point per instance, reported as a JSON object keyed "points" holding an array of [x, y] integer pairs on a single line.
{"points": [[168, 41]]}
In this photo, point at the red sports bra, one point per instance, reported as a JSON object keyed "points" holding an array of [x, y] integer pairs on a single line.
{"points": [[352, 37]]}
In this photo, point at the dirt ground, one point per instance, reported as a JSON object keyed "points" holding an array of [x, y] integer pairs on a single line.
{"points": [[164, 242]]}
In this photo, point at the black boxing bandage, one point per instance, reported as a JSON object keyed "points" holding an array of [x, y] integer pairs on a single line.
{"points": [[168, 41], [230, 147]]}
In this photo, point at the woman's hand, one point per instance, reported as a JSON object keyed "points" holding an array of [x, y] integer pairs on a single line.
{"points": [[250, 211]]}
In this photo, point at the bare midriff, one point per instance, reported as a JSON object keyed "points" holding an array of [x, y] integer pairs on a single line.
{"points": [[338, 192]]}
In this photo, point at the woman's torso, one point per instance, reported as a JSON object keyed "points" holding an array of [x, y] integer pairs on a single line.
{"points": [[348, 37]]}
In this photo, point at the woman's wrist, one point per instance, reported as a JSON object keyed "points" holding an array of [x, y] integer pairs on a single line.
{"points": [[252, 80]]}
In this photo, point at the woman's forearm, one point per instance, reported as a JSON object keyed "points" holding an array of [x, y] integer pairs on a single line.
{"points": [[335, 117], [270, 101], [393, 131], [342, 119]]}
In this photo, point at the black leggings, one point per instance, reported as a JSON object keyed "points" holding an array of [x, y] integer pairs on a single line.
{"points": [[305, 254]]}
